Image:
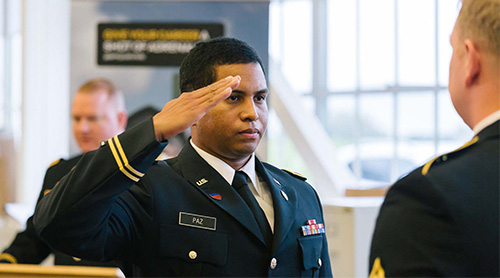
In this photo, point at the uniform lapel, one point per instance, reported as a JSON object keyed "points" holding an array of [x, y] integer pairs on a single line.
{"points": [[208, 181], [284, 210]]}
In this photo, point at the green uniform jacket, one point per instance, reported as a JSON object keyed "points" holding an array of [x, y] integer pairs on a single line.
{"points": [[178, 217]]}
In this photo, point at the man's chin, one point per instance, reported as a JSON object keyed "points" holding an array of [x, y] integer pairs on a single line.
{"points": [[88, 147], [246, 149]]}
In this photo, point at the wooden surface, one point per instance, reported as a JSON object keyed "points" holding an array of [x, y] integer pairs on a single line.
{"points": [[374, 192], [28, 270]]}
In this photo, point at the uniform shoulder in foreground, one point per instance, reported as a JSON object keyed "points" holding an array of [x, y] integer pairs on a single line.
{"points": [[443, 218]]}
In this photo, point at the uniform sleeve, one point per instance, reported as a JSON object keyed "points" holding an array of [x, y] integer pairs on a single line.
{"points": [[27, 247], [326, 269], [415, 234], [101, 206]]}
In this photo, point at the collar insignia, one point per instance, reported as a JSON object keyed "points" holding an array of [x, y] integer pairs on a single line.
{"points": [[201, 182]]}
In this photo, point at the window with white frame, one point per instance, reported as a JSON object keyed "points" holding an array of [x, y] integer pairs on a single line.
{"points": [[375, 72], [10, 67], [2, 67]]}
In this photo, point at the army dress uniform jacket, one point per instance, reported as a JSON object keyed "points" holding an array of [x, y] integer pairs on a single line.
{"points": [[28, 247], [443, 218], [178, 217]]}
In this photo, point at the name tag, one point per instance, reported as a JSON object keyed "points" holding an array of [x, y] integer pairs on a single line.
{"points": [[197, 221]]}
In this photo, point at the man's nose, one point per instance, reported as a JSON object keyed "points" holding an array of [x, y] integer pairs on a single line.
{"points": [[249, 112], [83, 126]]}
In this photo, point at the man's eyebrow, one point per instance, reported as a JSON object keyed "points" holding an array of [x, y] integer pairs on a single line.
{"points": [[263, 91]]}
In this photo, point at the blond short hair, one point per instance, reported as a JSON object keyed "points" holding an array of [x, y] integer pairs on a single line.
{"points": [[115, 95], [479, 20]]}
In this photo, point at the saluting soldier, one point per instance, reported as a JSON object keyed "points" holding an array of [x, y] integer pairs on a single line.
{"points": [[98, 113], [215, 209], [442, 220]]}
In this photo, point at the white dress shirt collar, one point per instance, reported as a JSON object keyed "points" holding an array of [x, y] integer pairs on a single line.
{"points": [[226, 171], [493, 117]]}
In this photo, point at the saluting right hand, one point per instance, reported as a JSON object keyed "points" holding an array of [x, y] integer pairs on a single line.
{"points": [[180, 113]]}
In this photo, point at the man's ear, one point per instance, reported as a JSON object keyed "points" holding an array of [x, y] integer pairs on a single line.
{"points": [[122, 119], [473, 63]]}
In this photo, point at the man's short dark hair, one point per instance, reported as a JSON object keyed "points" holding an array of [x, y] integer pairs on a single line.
{"points": [[198, 68]]}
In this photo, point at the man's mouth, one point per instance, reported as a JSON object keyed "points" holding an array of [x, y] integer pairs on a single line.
{"points": [[250, 133]]}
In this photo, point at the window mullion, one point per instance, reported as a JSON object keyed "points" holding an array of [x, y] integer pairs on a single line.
{"points": [[319, 74]]}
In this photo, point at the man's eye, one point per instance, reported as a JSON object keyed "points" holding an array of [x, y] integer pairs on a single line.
{"points": [[234, 98], [260, 98]]}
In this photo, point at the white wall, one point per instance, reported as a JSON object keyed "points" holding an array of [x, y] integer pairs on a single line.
{"points": [[45, 105]]}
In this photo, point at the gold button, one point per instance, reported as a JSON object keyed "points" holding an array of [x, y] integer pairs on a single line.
{"points": [[274, 263], [320, 263], [193, 255]]}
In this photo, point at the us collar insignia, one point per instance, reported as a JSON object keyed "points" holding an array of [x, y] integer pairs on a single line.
{"points": [[312, 228], [216, 196], [201, 182]]}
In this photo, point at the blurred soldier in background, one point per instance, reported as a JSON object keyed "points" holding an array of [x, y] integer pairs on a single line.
{"points": [[98, 113]]}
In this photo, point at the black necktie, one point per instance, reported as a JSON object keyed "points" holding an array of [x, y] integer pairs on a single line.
{"points": [[241, 186]]}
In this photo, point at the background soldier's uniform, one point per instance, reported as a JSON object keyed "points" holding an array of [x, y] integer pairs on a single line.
{"points": [[443, 218], [28, 247], [106, 208]]}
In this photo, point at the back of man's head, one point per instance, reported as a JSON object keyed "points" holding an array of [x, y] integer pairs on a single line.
{"points": [[479, 20], [98, 113], [141, 115], [198, 68]]}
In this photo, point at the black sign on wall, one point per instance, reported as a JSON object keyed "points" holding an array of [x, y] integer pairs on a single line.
{"points": [[150, 44]]}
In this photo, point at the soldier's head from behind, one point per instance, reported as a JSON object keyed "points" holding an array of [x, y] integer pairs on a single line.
{"points": [[233, 129], [98, 113], [474, 81]]}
